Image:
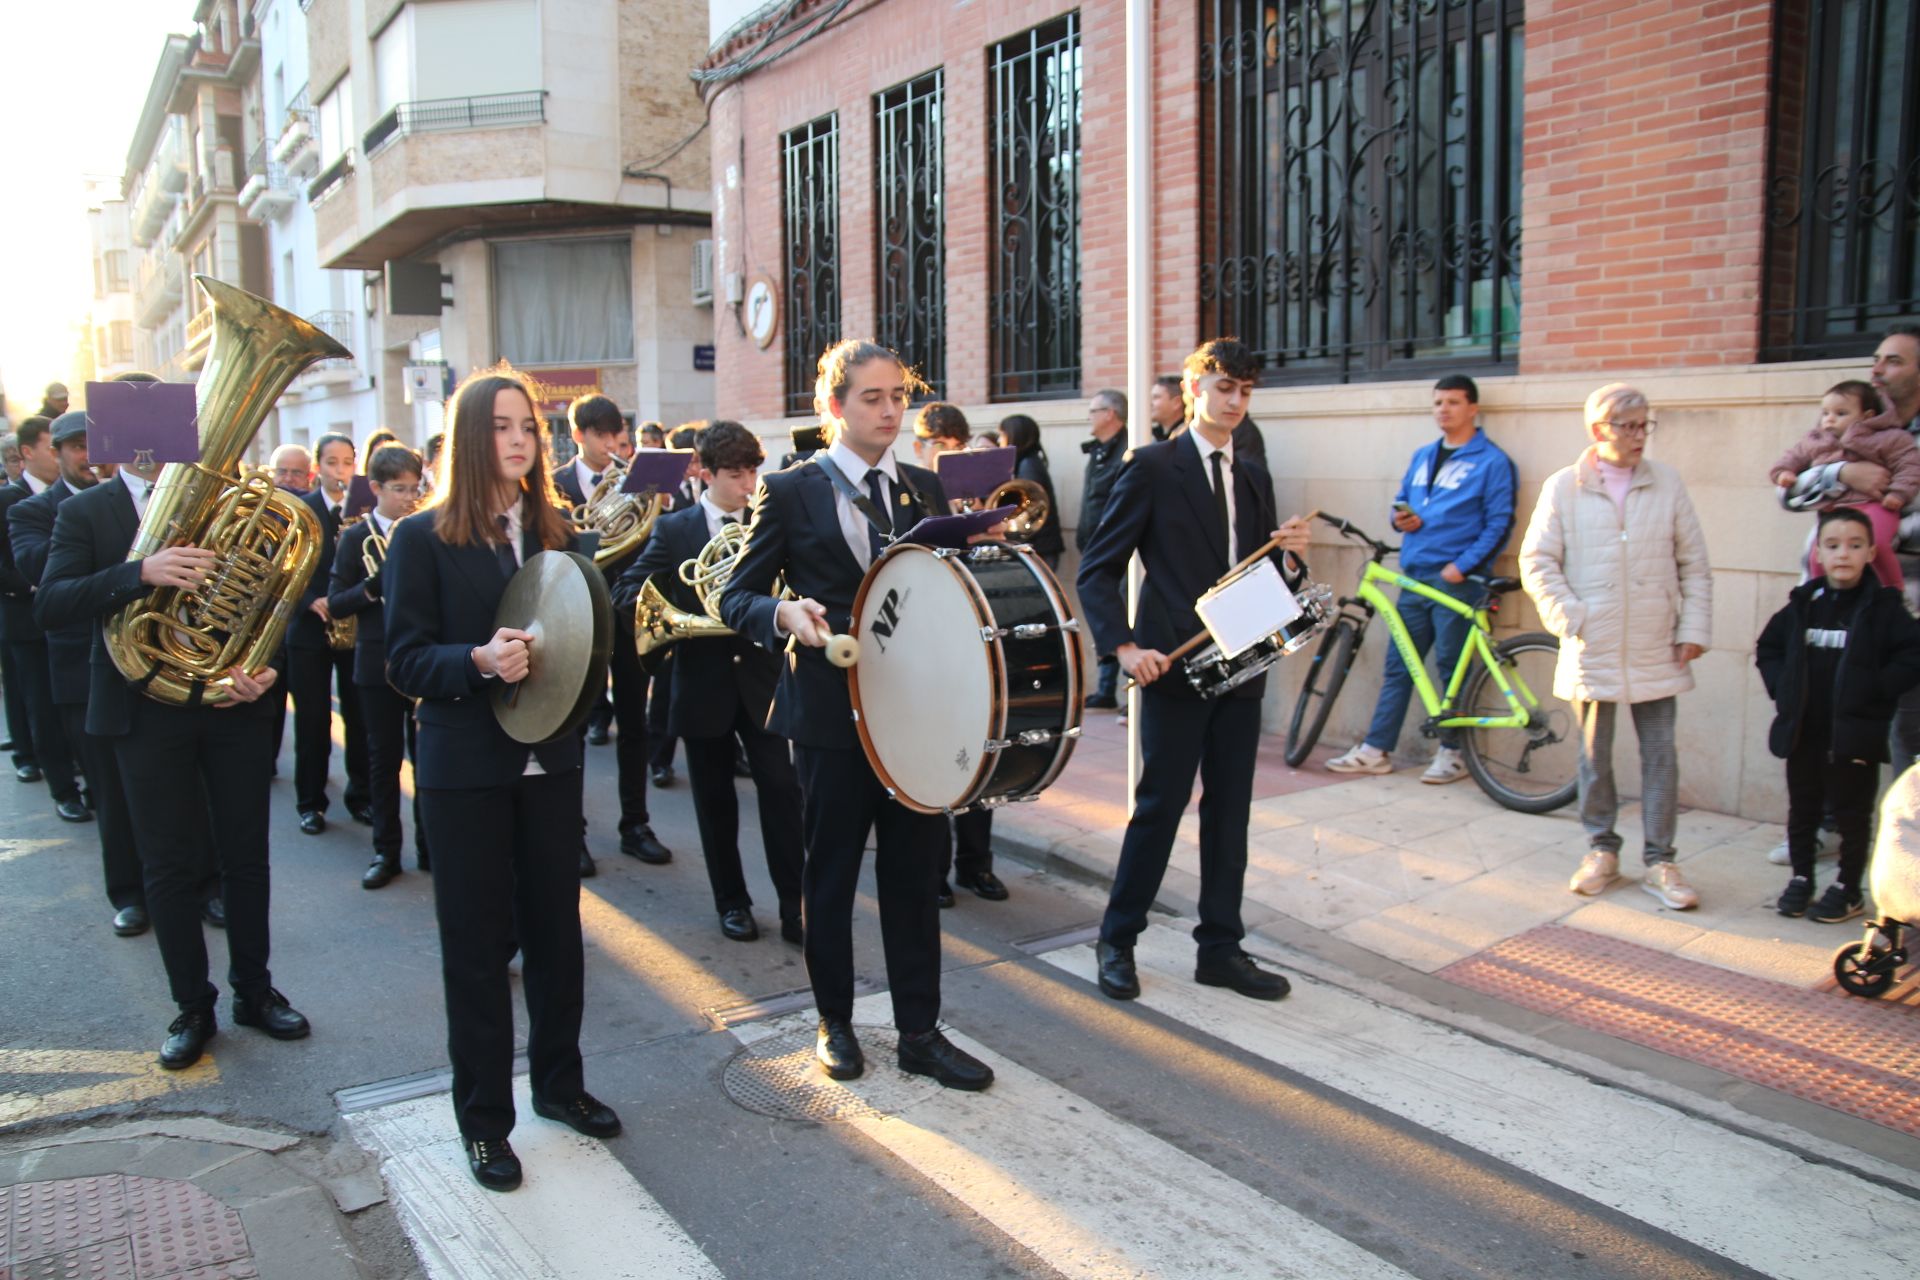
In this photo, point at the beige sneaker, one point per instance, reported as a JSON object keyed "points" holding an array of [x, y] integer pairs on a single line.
{"points": [[1664, 881], [1597, 870], [1362, 759]]}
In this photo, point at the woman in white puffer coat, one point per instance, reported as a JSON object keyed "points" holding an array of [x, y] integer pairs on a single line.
{"points": [[1616, 562]]}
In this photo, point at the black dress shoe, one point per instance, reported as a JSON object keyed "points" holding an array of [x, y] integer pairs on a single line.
{"points": [[361, 813], [494, 1165], [1239, 973], [663, 776], [945, 895], [1102, 702], [187, 1039], [987, 885], [585, 1114], [928, 1053], [739, 925], [270, 1012], [28, 772], [380, 872], [130, 922], [312, 821], [214, 912], [646, 846], [838, 1050], [792, 930], [587, 870], [597, 735], [74, 810], [1118, 977]]}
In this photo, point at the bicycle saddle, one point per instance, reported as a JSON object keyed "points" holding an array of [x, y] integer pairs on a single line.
{"points": [[1494, 586]]}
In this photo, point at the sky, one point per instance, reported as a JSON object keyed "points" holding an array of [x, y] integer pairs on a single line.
{"points": [[74, 78]]}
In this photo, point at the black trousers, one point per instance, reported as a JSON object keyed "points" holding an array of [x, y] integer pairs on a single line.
{"points": [[716, 807], [312, 676], [506, 871], [630, 684], [842, 801], [119, 857], [50, 747], [180, 766], [660, 743], [19, 727], [969, 846], [388, 720], [1818, 787], [1180, 737]]}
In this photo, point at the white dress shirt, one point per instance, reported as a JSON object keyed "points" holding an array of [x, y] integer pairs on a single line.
{"points": [[853, 525], [35, 485], [1226, 473], [512, 514], [586, 476], [716, 517], [138, 488]]}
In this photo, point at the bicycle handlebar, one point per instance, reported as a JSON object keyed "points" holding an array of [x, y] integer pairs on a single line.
{"points": [[1350, 530]]}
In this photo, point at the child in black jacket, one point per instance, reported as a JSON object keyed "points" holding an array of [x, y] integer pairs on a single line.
{"points": [[1835, 661]]}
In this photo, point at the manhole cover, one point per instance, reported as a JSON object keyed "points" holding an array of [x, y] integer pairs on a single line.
{"points": [[780, 1077]]}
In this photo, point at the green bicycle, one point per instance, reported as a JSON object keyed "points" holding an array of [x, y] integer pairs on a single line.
{"points": [[1522, 751]]}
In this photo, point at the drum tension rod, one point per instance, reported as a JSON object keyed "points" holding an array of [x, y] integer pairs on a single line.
{"points": [[1027, 630], [1029, 738]]}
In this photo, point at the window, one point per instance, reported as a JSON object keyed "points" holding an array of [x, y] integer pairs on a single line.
{"points": [[336, 121], [561, 300], [1034, 144], [458, 48], [116, 260], [122, 341], [1360, 180], [910, 187], [1843, 216], [810, 244]]}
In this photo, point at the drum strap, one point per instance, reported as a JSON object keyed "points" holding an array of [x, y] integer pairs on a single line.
{"points": [[861, 502]]}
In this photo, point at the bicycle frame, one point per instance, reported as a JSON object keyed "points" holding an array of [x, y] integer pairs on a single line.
{"points": [[1520, 700]]}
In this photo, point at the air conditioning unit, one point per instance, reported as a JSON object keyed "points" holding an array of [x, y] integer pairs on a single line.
{"points": [[425, 382], [703, 273]]}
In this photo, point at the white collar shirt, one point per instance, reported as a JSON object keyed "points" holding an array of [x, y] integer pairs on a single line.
{"points": [[34, 483], [512, 515], [853, 525], [586, 476], [1226, 473], [716, 517], [137, 489], [381, 525]]}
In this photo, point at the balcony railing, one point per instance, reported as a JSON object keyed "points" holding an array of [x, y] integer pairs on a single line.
{"points": [[337, 325], [436, 114], [330, 178], [199, 326]]}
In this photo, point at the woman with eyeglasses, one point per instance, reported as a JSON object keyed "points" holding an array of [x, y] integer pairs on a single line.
{"points": [[1617, 564]]}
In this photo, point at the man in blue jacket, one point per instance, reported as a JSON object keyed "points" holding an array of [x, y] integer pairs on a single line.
{"points": [[1455, 510]]}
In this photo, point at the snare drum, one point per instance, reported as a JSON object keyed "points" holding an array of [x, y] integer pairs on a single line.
{"points": [[968, 688]]}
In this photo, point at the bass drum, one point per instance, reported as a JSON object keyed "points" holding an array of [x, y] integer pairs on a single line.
{"points": [[969, 684]]}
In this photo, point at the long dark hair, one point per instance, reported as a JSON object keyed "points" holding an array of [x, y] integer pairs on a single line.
{"points": [[463, 502], [1023, 433]]}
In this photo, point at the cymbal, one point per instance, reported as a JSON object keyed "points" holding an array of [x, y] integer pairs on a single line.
{"points": [[561, 600]]}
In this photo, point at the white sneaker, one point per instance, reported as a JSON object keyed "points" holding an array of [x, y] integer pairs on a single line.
{"points": [[1821, 849], [1664, 881], [1447, 767], [1362, 759], [1597, 870]]}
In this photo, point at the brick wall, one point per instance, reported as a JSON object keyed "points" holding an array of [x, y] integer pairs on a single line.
{"points": [[1645, 170]]}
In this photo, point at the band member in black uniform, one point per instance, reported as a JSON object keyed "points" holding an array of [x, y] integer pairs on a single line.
{"points": [[821, 524], [597, 426], [1192, 511], [179, 765], [314, 668], [505, 817], [387, 717], [724, 688], [661, 740]]}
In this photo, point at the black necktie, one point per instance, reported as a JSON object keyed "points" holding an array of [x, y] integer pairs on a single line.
{"points": [[593, 482], [1220, 503], [509, 563], [729, 519], [336, 513], [878, 493]]}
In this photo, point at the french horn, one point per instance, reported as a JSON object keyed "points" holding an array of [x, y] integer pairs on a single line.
{"points": [[623, 520]]}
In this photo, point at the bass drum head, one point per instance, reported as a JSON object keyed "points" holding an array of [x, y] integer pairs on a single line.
{"points": [[928, 691]]}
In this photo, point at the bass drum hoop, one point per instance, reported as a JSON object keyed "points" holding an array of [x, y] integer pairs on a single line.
{"points": [[1076, 668], [996, 676]]}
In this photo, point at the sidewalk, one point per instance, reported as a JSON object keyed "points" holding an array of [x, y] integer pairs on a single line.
{"points": [[1442, 881]]}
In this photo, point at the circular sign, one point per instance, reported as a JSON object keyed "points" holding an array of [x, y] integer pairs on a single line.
{"points": [[763, 311]]}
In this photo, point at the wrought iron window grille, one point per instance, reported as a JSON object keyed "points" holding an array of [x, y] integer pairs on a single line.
{"points": [[910, 219], [1361, 183], [434, 115], [810, 251]]}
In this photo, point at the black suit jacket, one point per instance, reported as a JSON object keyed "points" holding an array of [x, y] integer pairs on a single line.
{"points": [[440, 601], [567, 480], [795, 531], [306, 631], [714, 677], [30, 528], [16, 591], [351, 594], [87, 577], [1163, 506]]}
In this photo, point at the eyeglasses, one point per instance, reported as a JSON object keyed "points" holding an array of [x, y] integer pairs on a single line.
{"points": [[401, 490], [290, 473], [1628, 428]]}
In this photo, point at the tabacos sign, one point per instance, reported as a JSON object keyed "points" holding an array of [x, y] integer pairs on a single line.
{"points": [[555, 389]]}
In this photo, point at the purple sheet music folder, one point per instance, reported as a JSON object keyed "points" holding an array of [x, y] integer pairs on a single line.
{"points": [[142, 423], [660, 470], [972, 474]]}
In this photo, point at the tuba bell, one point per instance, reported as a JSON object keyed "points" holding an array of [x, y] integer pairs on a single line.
{"points": [[178, 644], [623, 520]]}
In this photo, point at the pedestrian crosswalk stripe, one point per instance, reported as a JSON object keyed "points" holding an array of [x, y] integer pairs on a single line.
{"points": [[1744, 1199], [1087, 1193], [578, 1216]]}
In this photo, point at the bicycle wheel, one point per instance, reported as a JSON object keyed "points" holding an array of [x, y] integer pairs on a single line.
{"points": [[1331, 662], [1531, 770]]}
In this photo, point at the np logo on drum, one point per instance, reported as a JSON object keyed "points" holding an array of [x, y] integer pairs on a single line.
{"points": [[888, 619]]}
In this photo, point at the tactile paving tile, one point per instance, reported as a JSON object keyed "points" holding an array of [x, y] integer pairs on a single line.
{"points": [[780, 1077], [112, 1260], [54, 1217], [176, 1227], [1854, 1055]]}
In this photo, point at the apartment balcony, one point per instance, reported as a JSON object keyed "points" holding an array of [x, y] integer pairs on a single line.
{"points": [[199, 335], [268, 191], [298, 146], [159, 292], [337, 325]]}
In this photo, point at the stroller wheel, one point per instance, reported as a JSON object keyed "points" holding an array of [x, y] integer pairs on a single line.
{"points": [[1861, 971]]}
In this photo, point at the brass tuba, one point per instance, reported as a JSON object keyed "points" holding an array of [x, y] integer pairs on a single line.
{"points": [[1030, 498], [177, 644], [623, 520]]}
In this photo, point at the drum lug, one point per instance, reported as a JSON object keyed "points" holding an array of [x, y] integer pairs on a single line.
{"points": [[856, 716], [996, 744], [946, 553], [1030, 630], [989, 634], [1072, 733], [1071, 624]]}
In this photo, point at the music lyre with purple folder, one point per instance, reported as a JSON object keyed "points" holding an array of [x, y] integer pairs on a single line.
{"points": [[142, 424], [656, 470], [970, 475]]}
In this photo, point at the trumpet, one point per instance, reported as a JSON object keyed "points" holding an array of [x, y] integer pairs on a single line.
{"points": [[373, 554]]}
